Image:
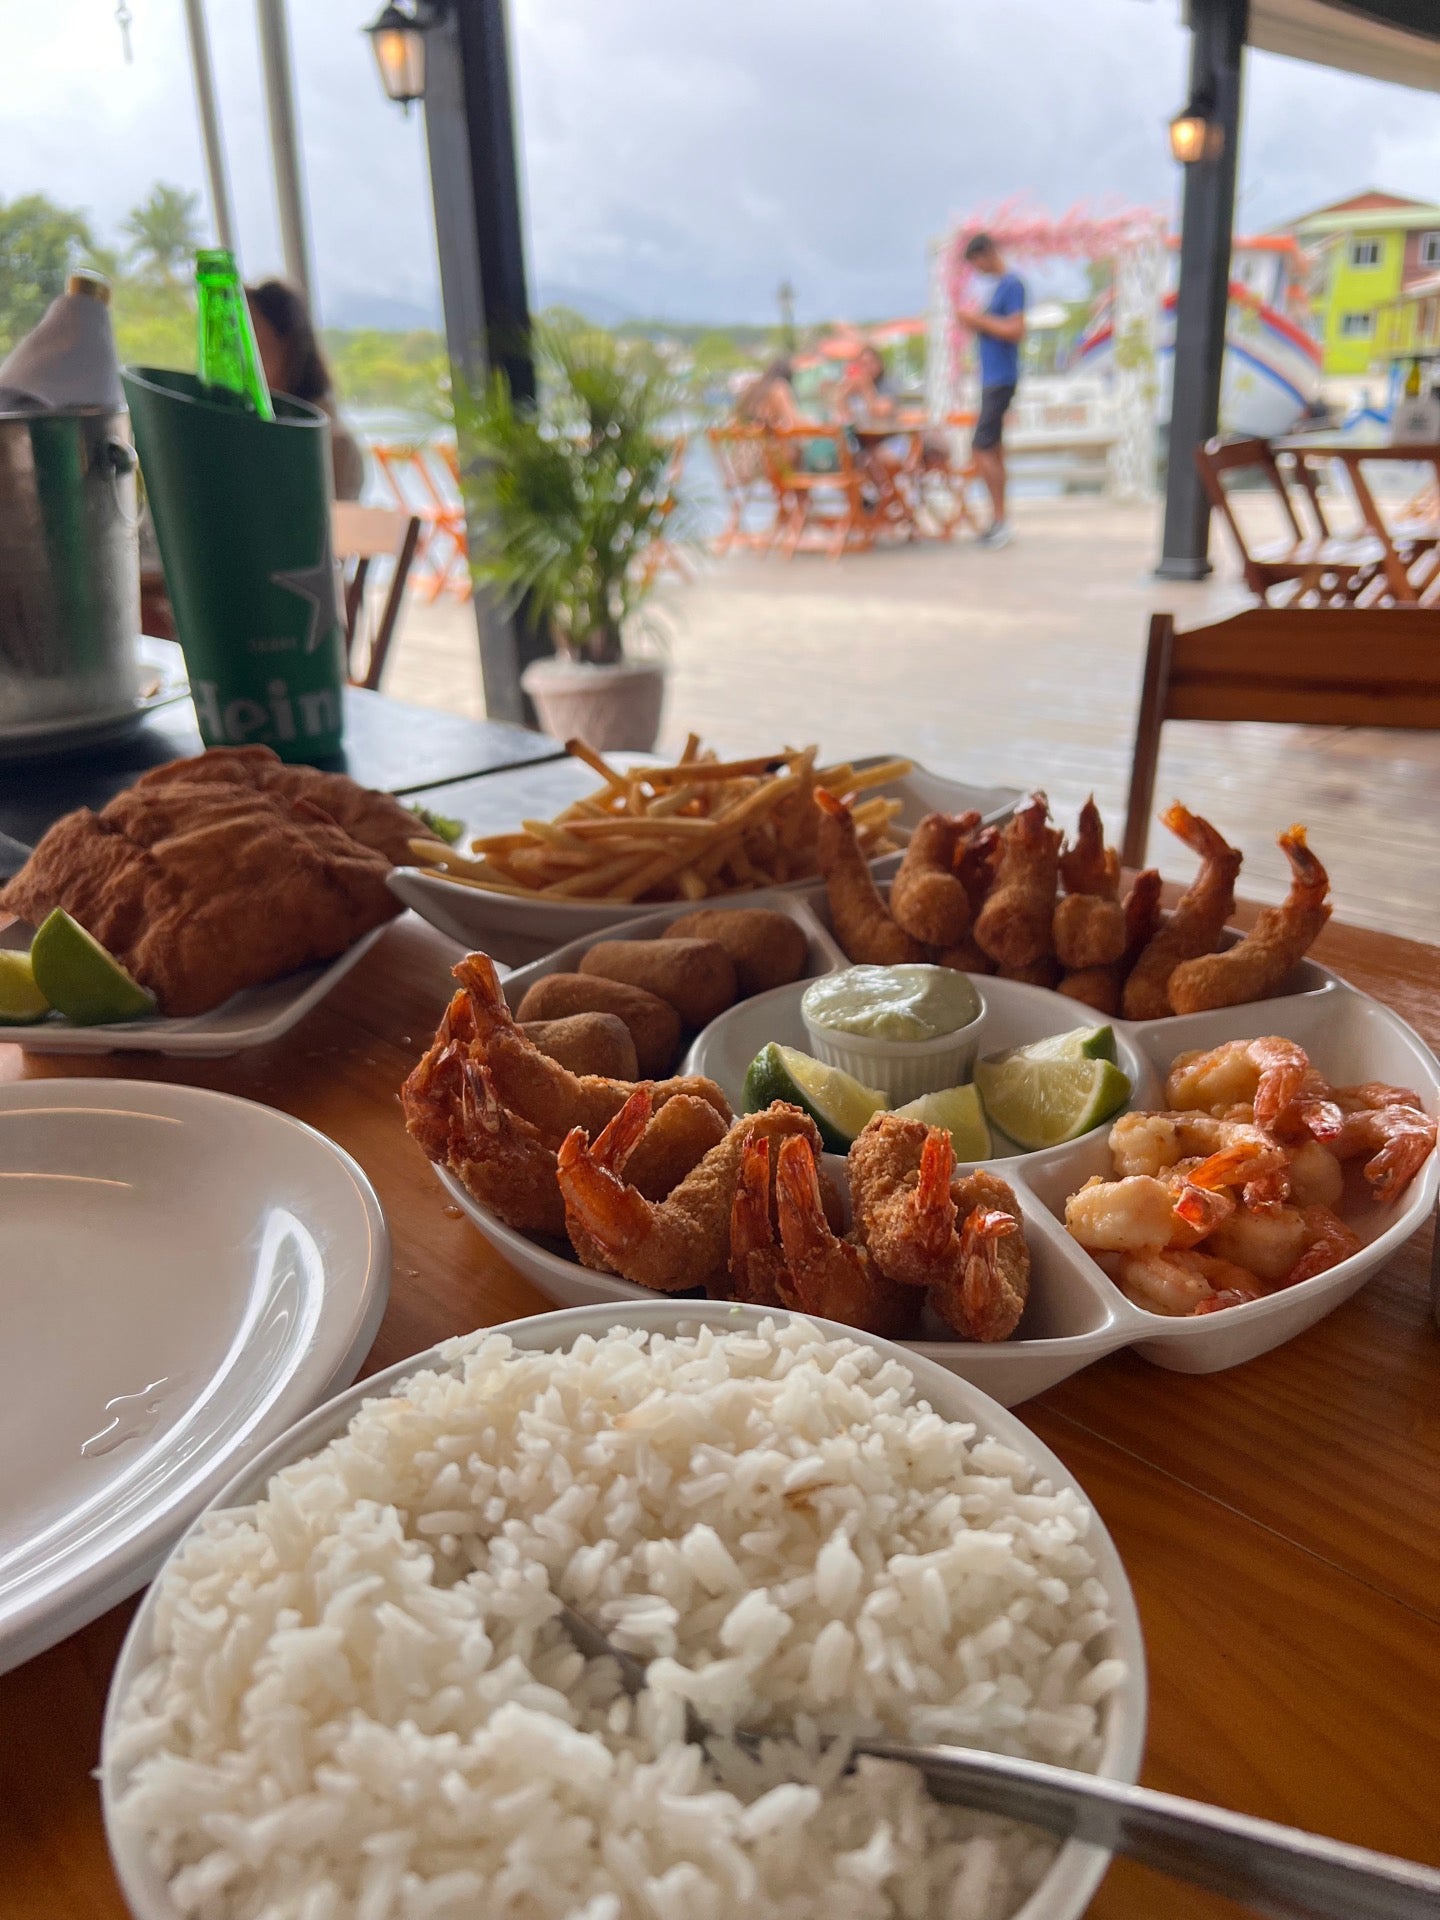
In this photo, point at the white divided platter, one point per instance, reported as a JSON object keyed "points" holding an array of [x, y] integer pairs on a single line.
{"points": [[1066, 1888], [184, 1275], [1075, 1313], [470, 915], [249, 1019]]}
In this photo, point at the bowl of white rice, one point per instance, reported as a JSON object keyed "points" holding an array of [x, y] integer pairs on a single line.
{"points": [[347, 1696]]}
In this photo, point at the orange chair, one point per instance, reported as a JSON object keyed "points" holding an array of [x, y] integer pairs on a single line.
{"points": [[443, 559], [827, 502], [662, 551], [739, 454]]}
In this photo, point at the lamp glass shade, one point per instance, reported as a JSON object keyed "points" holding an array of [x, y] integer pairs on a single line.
{"points": [[1195, 137], [400, 56]]}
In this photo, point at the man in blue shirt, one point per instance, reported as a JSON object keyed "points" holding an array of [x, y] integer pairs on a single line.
{"points": [[999, 327]]}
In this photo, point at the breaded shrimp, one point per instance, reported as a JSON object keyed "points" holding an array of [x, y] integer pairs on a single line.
{"points": [[673, 1244], [538, 1088], [1101, 987], [900, 1172], [1013, 926], [975, 865], [862, 925], [823, 1274], [965, 957], [1044, 972], [1195, 927], [927, 898], [1088, 929], [1257, 966], [984, 1295], [452, 1110]]}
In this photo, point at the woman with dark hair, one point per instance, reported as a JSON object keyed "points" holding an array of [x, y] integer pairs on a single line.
{"points": [[293, 361]]}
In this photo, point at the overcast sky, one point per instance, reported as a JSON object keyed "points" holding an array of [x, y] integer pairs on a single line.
{"points": [[680, 160]]}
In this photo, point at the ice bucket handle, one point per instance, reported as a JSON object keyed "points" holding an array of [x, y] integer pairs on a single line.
{"points": [[118, 459]]}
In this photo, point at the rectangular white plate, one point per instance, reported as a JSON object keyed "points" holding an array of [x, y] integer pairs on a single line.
{"points": [[474, 917], [249, 1019]]}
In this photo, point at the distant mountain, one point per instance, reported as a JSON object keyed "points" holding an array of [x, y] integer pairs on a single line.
{"points": [[357, 307], [598, 307]]}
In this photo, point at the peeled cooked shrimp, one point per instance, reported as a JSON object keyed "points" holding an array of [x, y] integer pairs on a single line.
{"points": [[1088, 926], [673, 1244], [1387, 1124], [538, 1088], [1267, 1074], [1101, 987], [1258, 966], [1195, 927], [863, 927], [927, 899], [1132, 1214], [1178, 1283], [1013, 926]]}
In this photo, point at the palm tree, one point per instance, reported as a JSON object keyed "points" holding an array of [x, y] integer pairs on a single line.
{"points": [[164, 230]]}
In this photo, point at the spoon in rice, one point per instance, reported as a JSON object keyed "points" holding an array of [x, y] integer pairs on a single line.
{"points": [[1279, 1870]]}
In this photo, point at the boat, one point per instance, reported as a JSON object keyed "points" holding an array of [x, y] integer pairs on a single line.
{"points": [[1271, 374]]}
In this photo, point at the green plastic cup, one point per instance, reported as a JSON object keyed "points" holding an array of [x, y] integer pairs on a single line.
{"points": [[242, 514]]}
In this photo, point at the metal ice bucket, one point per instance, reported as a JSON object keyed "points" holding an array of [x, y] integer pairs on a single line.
{"points": [[69, 567]]}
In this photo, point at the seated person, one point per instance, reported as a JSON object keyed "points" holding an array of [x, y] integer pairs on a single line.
{"points": [[291, 356]]}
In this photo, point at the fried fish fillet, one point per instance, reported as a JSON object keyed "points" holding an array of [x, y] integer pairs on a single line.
{"points": [[203, 888], [377, 820]]}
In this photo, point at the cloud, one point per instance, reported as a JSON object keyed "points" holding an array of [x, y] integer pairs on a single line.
{"points": [[682, 160]]}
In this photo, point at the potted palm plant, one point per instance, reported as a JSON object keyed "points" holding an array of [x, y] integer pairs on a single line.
{"points": [[568, 492]]}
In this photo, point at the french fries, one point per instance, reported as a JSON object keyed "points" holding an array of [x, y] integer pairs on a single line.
{"points": [[700, 827]]}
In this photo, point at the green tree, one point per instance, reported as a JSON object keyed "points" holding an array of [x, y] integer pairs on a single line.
{"points": [[39, 244], [164, 231]]}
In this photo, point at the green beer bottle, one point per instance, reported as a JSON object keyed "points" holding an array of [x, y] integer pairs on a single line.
{"points": [[229, 361]]}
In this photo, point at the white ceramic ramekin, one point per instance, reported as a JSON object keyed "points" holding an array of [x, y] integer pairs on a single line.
{"points": [[903, 1069]]}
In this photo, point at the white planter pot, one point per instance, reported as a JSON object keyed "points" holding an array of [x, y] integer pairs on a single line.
{"points": [[607, 707]]}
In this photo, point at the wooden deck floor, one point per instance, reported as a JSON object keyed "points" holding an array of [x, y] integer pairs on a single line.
{"points": [[1022, 667]]}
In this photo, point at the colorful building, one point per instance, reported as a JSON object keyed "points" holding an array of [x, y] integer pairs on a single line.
{"points": [[1367, 251]]}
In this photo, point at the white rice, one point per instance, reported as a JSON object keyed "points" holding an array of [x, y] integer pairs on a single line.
{"points": [[362, 1708]]}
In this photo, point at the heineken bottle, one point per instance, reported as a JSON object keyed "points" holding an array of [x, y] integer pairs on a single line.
{"points": [[229, 360]]}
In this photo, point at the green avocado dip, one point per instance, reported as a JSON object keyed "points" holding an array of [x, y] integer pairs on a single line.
{"points": [[892, 1003]]}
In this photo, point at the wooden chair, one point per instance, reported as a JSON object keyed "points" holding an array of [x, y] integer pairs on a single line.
{"points": [[738, 451], [1321, 569], [829, 502], [662, 551], [443, 559], [360, 535], [1296, 666]]}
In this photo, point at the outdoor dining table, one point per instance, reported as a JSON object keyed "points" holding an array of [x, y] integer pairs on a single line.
{"points": [[1280, 1522], [1354, 455]]}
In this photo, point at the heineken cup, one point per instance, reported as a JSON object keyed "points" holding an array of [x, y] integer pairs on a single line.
{"points": [[242, 512]]}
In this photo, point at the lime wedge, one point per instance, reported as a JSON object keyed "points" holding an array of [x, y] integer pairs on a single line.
{"points": [[1080, 1043], [80, 979], [1040, 1097], [21, 1001], [835, 1101], [959, 1112]]}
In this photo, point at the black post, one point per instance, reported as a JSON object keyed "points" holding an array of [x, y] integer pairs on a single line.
{"points": [[1218, 29], [474, 181]]}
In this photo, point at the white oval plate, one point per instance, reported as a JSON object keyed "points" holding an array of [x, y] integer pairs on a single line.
{"points": [[1066, 1888], [184, 1274], [252, 1018], [1075, 1313], [473, 916]]}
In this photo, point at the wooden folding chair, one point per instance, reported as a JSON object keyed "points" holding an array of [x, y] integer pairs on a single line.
{"points": [[828, 502], [1321, 569], [1297, 666], [443, 560], [739, 455], [662, 551], [362, 534]]}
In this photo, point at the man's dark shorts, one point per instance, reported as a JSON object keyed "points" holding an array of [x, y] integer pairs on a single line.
{"points": [[994, 404]]}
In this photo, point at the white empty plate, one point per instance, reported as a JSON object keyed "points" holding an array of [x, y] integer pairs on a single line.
{"points": [[184, 1275]]}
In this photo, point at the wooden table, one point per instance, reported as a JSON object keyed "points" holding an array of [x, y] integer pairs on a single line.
{"points": [[1281, 1522], [1354, 456]]}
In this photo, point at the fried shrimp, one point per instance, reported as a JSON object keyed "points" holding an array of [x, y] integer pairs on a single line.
{"points": [[1088, 926], [452, 1109], [821, 1273], [1013, 926], [900, 1172], [1101, 987], [1258, 966], [538, 1088], [669, 1245], [1197, 922], [927, 898], [975, 865], [984, 1295], [862, 924]]}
